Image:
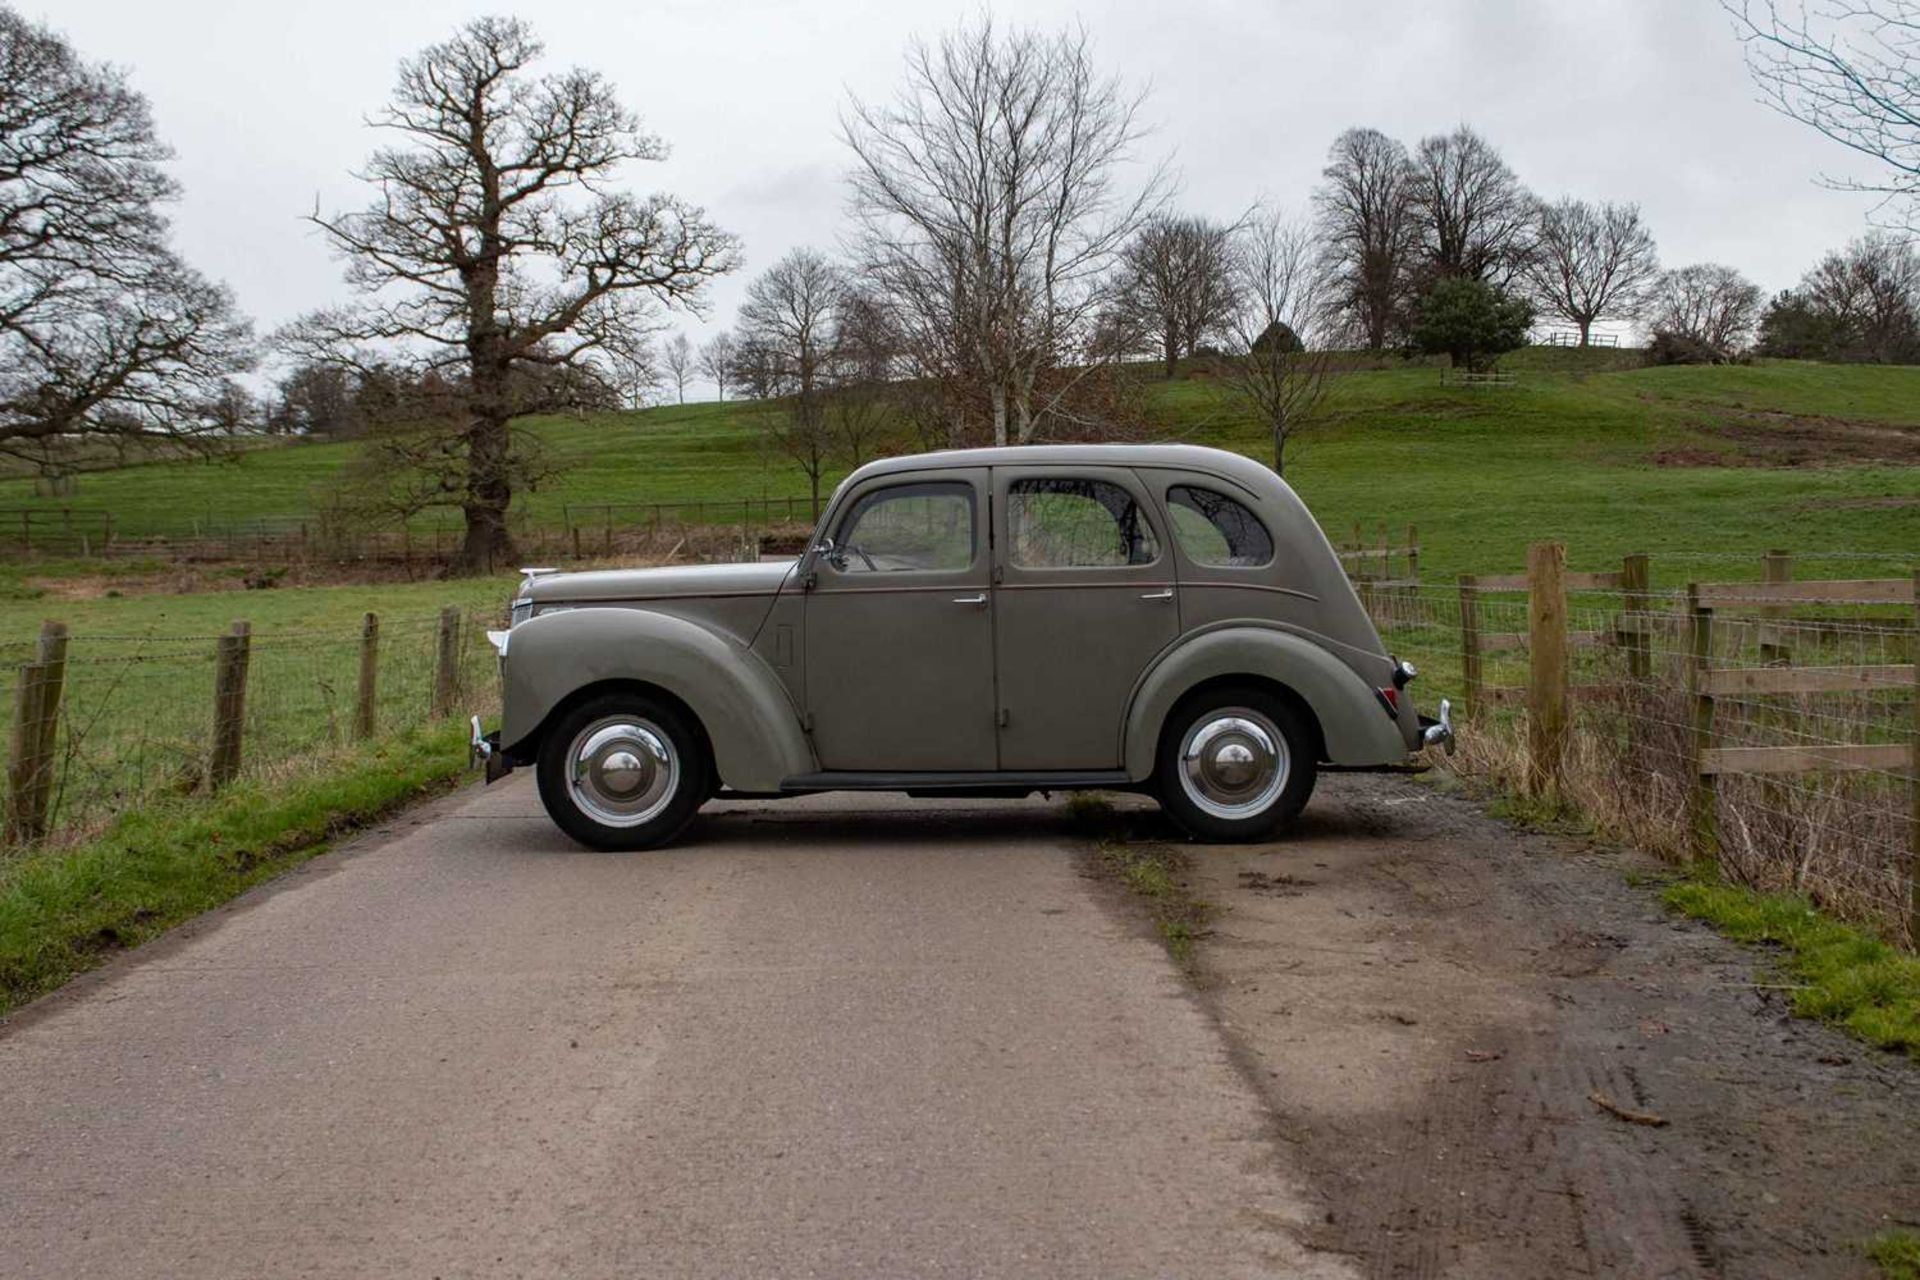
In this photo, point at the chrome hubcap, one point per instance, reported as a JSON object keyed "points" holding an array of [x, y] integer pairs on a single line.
{"points": [[1234, 763], [622, 772]]}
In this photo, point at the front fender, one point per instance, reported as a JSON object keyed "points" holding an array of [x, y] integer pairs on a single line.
{"points": [[1355, 728], [755, 731]]}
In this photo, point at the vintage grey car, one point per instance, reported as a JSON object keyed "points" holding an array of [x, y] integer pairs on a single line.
{"points": [[1162, 618]]}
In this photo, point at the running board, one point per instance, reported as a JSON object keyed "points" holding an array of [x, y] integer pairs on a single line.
{"points": [[984, 779]]}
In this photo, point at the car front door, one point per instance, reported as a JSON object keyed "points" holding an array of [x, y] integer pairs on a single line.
{"points": [[1084, 600], [899, 628]]}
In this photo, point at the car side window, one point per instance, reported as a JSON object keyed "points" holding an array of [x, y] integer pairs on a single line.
{"points": [[925, 526], [1214, 530], [1067, 524]]}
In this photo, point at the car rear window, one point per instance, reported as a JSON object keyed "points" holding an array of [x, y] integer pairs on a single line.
{"points": [[1214, 530]]}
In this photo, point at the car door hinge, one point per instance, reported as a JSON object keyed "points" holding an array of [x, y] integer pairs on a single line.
{"points": [[806, 722], [998, 575], [1004, 717]]}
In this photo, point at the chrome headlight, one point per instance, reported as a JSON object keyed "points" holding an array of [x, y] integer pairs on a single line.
{"points": [[521, 611]]}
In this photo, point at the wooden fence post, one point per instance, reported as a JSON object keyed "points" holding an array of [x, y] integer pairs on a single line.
{"points": [[1913, 768], [1547, 667], [1702, 816], [446, 663], [229, 703], [1775, 567], [36, 726], [1413, 554], [364, 719], [1635, 606], [1469, 644]]}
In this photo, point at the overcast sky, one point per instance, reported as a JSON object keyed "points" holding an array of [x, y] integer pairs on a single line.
{"points": [[1644, 100]]}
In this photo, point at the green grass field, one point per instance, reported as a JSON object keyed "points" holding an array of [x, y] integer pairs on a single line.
{"points": [[1589, 448]]}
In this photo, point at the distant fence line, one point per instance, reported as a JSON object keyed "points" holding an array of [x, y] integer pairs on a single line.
{"points": [[581, 529], [1571, 338]]}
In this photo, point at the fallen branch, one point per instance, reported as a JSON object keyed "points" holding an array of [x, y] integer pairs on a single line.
{"points": [[1628, 1114]]}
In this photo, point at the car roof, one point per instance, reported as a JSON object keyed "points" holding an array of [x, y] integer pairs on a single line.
{"points": [[1185, 457]]}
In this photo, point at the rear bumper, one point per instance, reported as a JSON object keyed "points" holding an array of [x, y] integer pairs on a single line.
{"points": [[1438, 731]]}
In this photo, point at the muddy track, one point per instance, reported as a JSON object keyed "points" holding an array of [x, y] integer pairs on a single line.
{"points": [[1499, 1058]]}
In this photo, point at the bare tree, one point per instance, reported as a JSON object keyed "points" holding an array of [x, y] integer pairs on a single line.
{"points": [[1176, 284], [678, 357], [634, 365], [1707, 304], [1870, 292], [1364, 211], [1279, 369], [494, 249], [990, 204], [1591, 262], [789, 320], [1845, 68], [863, 405], [1475, 218], [717, 356], [103, 330]]}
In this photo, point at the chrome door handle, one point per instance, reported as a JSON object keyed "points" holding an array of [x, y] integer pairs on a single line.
{"points": [[979, 599], [1159, 595]]}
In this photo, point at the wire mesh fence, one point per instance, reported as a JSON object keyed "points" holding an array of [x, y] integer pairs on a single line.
{"points": [[137, 716], [1777, 738]]}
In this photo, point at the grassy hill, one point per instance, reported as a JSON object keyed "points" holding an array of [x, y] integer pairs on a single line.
{"points": [[1610, 457]]}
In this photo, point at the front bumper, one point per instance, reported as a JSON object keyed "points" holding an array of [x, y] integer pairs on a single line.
{"points": [[485, 748]]}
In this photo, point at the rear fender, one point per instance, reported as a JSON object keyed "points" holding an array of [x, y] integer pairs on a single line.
{"points": [[1355, 728], [748, 717]]}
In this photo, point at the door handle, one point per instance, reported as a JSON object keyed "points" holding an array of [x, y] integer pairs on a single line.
{"points": [[974, 600], [1159, 595]]}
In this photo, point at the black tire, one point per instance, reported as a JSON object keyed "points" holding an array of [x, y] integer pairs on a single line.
{"points": [[1201, 796], [640, 802]]}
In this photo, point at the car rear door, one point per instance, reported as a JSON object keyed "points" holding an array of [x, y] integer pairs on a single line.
{"points": [[1084, 598]]}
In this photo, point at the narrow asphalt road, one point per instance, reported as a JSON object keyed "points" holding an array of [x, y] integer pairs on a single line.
{"points": [[833, 1038]]}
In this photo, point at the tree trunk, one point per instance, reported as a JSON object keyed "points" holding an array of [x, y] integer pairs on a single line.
{"points": [[1586, 327], [999, 397], [1280, 449], [1171, 345], [488, 546]]}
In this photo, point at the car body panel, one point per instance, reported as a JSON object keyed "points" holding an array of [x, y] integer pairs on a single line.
{"points": [[744, 708], [1355, 729]]}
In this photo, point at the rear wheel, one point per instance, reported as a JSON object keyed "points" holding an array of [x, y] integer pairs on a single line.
{"points": [[1235, 764], [623, 771]]}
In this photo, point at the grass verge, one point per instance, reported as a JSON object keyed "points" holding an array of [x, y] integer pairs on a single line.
{"points": [[1897, 1254], [64, 911], [1152, 873], [1845, 975]]}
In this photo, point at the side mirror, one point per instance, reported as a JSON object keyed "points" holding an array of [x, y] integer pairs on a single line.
{"points": [[828, 552]]}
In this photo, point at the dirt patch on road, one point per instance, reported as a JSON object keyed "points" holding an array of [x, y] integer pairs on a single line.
{"points": [[1769, 438], [1500, 1058]]}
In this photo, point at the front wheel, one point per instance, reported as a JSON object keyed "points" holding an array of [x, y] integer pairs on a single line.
{"points": [[1235, 765], [623, 771]]}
